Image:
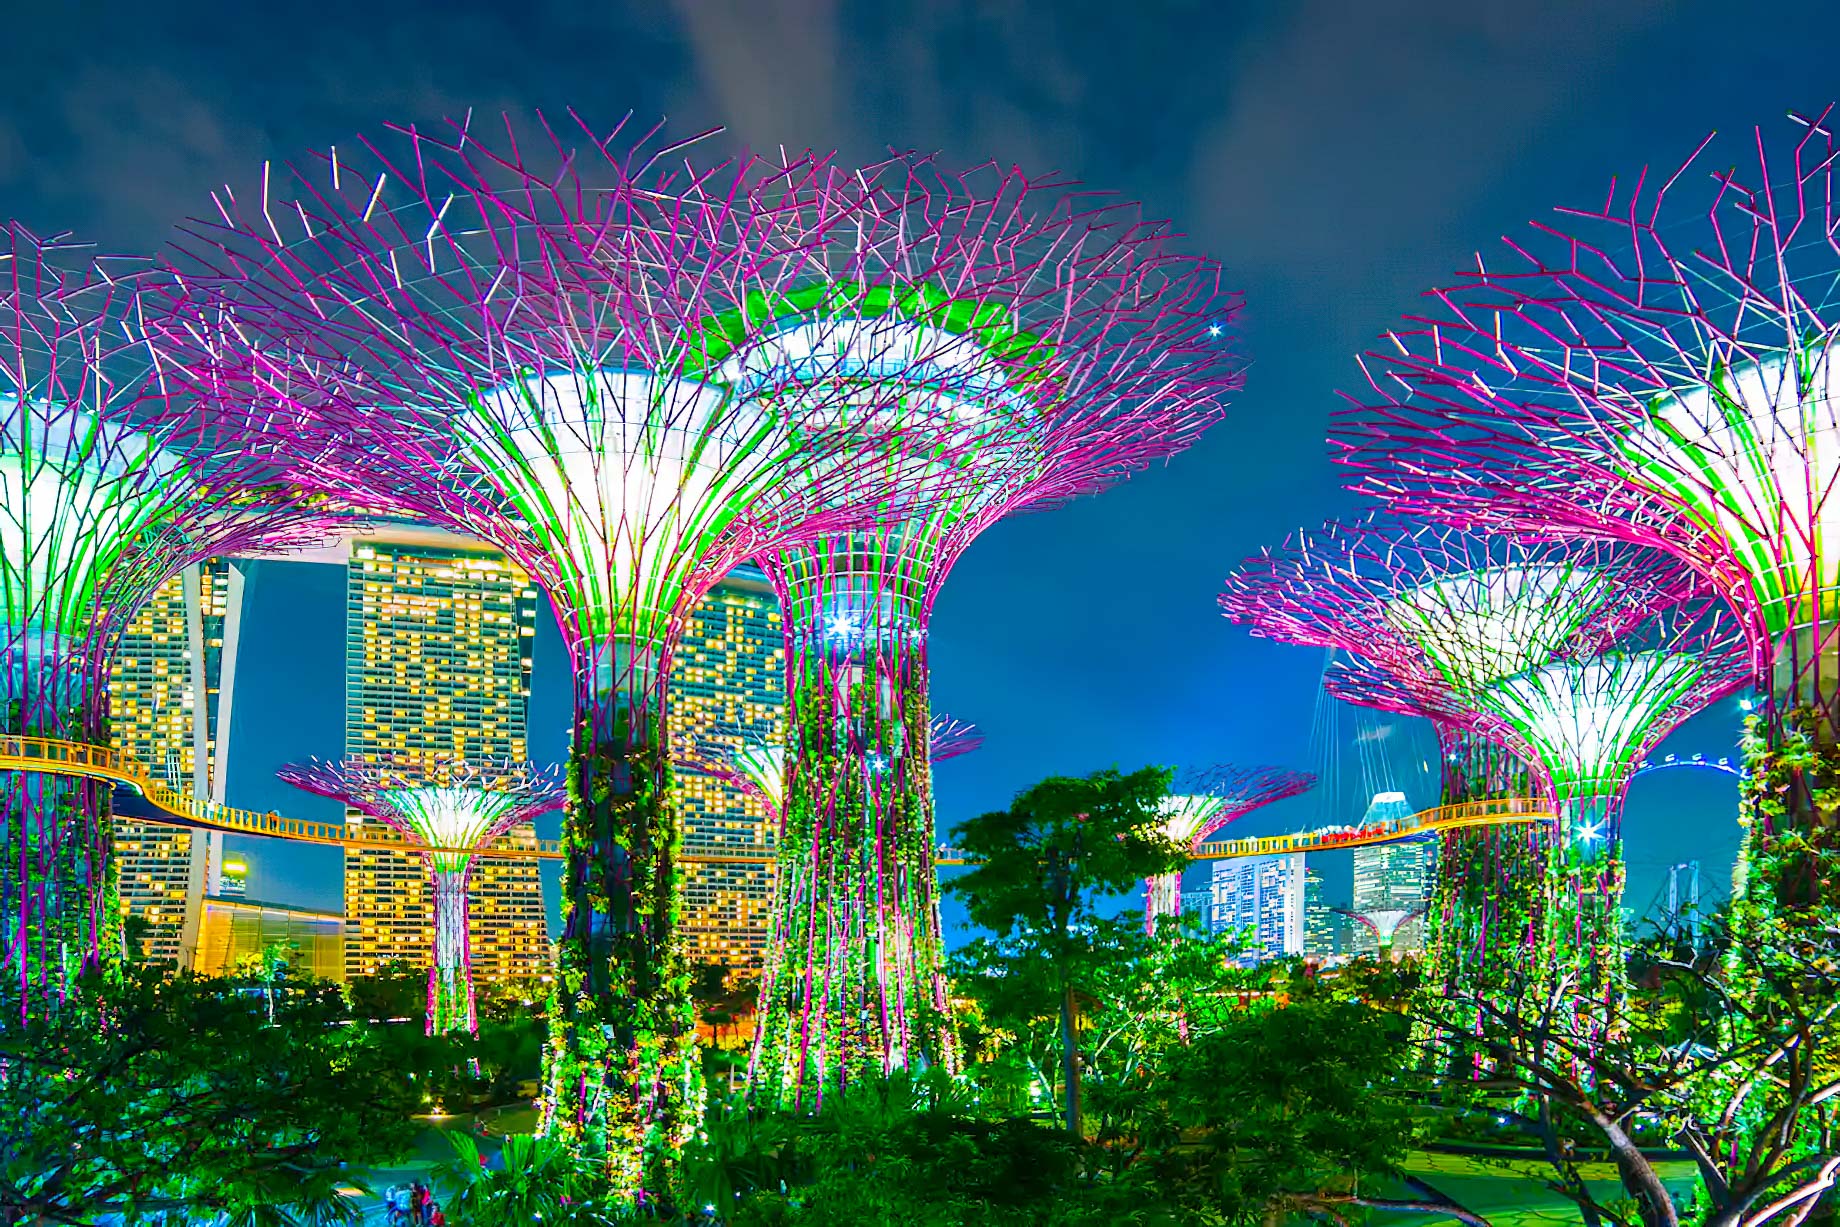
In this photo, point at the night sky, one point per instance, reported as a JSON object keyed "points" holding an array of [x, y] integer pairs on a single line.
{"points": [[1338, 157]]}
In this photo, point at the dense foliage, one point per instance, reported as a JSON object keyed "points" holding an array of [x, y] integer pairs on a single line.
{"points": [[143, 1095]]}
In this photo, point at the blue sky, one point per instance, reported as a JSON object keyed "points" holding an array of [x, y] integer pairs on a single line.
{"points": [[1337, 157]]}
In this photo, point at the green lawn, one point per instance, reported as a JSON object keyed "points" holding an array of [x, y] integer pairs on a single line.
{"points": [[1513, 1192]]}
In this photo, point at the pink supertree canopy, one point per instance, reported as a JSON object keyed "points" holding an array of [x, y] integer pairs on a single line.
{"points": [[1124, 343], [110, 484], [1571, 658], [450, 810], [1655, 369], [1199, 804]]}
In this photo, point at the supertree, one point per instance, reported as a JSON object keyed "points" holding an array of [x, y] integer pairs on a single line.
{"points": [[549, 348], [1657, 369], [108, 487], [1124, 350], [1204, 802], [759, 769], [1441, 620], [1384, 924], [451, 810]]}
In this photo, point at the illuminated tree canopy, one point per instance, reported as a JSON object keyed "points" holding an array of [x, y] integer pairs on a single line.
{"points": [[109, 485], [1083, 345], [1205, 801], [451, 809]]}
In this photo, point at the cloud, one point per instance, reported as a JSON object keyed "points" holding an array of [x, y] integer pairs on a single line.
{"points": [[1360, 130]]}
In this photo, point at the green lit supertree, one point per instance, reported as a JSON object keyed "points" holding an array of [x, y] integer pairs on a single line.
{"points": [[449, 810], [1205, 801], [108, 487], [1658, 367], [1081, 344]]}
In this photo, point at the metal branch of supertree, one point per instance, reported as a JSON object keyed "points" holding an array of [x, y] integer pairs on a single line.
{"points": [[1200, 803], [450, 808], [1124, 352], [109, 486]]}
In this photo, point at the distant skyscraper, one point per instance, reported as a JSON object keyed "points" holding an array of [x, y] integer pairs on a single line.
{"points": [[1263, 895], [728, 689], [169, 706], [1391, 877], [438, 639], [1319, 922]]}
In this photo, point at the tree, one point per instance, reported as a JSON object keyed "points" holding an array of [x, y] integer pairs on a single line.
{"points": [[1742, 1076], [396, 991], [151, 1095], [1043, 865], [265, 967]]}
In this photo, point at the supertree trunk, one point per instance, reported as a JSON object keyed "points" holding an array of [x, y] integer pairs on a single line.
{"points": [[859, 989], [58, 893], [1489, 902], [451, 1001], [623, 1078], [1587, 898]]}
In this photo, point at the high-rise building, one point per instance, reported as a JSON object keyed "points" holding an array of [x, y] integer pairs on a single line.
{"points": [[1391, 878], [438, 637], [1320, 922], [234, 929], [1263, 897], [728, 690], [170, 692]]}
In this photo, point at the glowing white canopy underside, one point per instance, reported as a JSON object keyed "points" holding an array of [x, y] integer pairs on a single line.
{"points": [[766, 767], [958, 431], [625, 478], [448, 817], [1479, 626], [1186, 816], [945, 375], [1590, 720], [1755, 452], [74, 493]]}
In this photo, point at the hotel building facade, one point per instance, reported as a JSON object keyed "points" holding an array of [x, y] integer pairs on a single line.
{"points": [[170, 698]]}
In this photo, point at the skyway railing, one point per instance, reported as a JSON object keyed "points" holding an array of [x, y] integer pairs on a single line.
{"points": [[51, 756], [1496, 812]]}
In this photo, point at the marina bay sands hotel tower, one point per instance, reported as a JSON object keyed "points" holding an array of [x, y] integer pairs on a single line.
{"points": [[439, 634]]}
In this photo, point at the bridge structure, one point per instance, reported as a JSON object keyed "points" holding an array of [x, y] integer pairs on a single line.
{"points": [[172, 807], [1500, 811]]}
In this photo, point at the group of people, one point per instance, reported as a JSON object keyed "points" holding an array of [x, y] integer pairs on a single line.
{"points": [[413, 1206]]}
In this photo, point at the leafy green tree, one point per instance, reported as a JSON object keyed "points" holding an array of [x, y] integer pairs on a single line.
{"points": [[267, 967], [153, 1096], [1042, 868], [136, 929], [397, 991], [1288, 1106]]}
